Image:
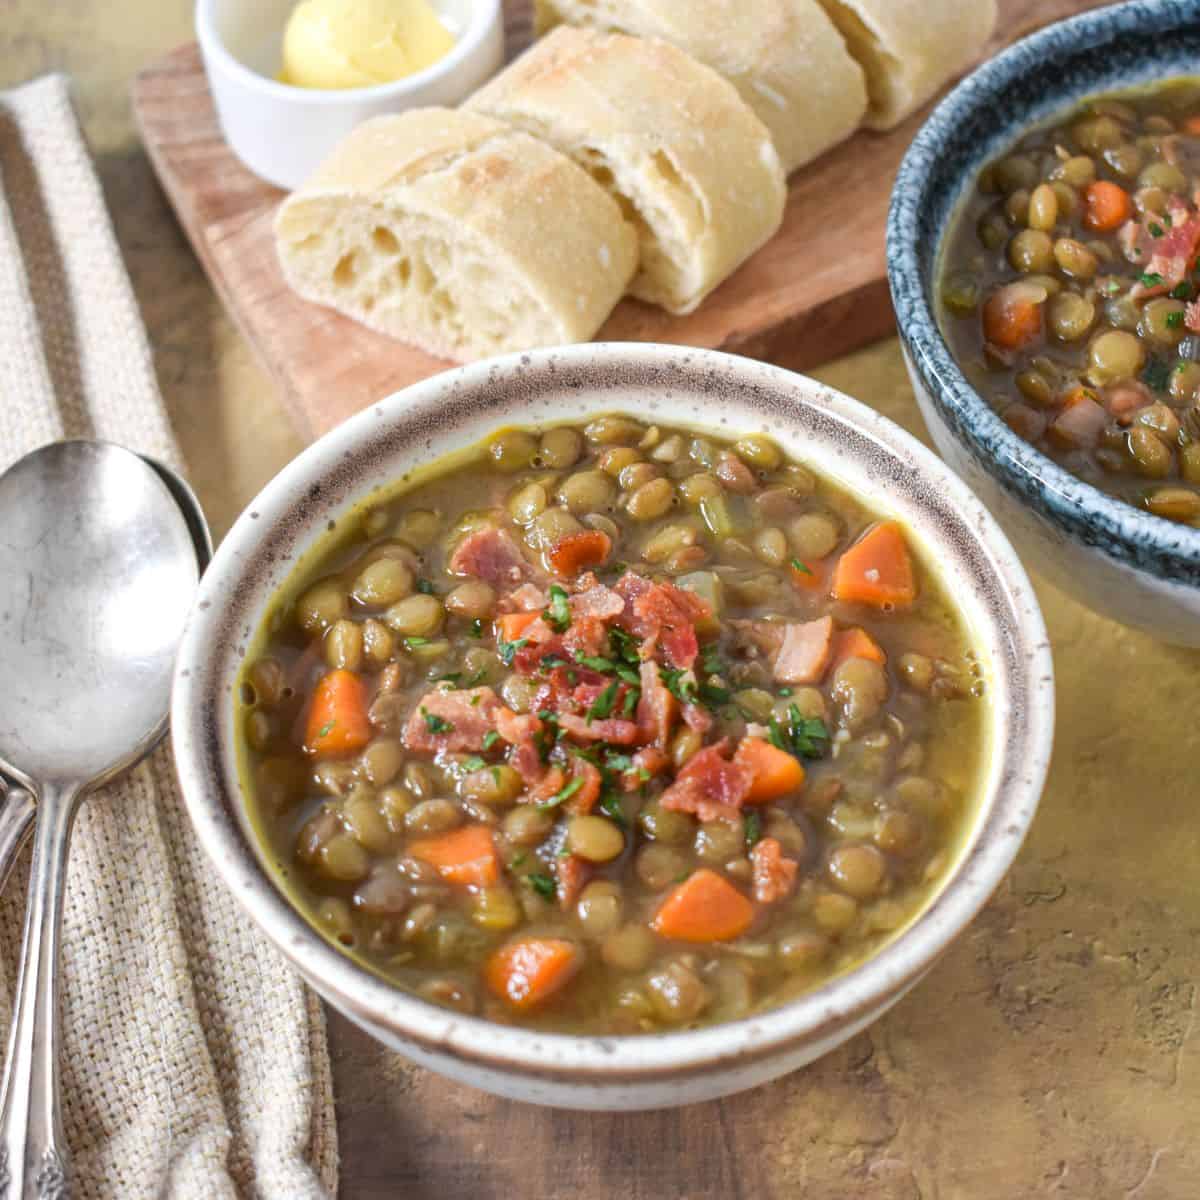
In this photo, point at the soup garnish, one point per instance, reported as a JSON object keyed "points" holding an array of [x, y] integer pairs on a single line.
{"points": [[613, 729]]}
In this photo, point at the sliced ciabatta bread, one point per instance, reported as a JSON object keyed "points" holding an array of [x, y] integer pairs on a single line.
{"points": [[785, 57], [674, 142], [459, 234], [909, 48]]}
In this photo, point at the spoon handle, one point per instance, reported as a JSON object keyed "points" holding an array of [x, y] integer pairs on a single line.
{"points": [[16, 819], [33, 1151]]}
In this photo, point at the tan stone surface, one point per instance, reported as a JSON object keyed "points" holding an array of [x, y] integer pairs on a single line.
{"points": [[1054, 1051]]}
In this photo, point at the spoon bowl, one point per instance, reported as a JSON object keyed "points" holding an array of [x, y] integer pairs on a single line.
{"points": [[100, 569]]}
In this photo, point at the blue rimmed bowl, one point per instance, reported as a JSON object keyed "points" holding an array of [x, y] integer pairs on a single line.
{"points": [[1137, 568]]}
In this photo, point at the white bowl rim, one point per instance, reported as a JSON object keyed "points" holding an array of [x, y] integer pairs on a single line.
{"points": [[485, 16], [380, 1006]]}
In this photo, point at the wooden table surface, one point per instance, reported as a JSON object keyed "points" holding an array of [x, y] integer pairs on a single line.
{"points": [[1052, 1053]]}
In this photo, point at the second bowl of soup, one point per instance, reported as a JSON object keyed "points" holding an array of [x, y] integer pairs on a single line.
{"points": [[1044, 238]]}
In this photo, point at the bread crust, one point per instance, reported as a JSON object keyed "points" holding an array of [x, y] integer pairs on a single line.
{"points": [[459, 234], [785, 57], [672, 139], [909, 48]]}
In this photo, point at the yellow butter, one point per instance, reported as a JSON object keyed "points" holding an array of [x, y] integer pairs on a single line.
{"points": [[335, 44]]}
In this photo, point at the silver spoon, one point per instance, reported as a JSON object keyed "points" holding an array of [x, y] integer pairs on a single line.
{"points": [[99, 570], [17, 808]]}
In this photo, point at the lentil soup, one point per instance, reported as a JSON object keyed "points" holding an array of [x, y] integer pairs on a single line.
{"points": [[1069, 293], [611, 729]]}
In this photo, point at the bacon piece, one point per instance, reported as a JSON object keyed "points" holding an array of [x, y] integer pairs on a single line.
{"points": [[586, 798], [573, 874], [657, 708], [1172, 255], [662, 614], [470, 715], [527, 762], [804, 652], [597, 601], [492, 555], [774, 875], [615, 730], [649, 759], [516, 728], [1124, 399], [587, 635], [709, 785], [527, 598]]}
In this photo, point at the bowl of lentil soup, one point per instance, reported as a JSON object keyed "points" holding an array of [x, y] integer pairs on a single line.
{"points": [[615, 726], [1043, 240]]}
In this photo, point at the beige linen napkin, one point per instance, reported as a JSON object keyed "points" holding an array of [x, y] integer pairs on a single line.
{"points": [[194, 1061]]}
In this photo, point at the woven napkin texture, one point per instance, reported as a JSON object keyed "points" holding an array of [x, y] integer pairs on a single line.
{"points": [[194, 1062]]}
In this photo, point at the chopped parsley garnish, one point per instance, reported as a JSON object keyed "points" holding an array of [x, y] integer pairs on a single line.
{"points": [[1156, 231], [544, 885], [558, 615], [802, 737], [594, 662], [1150, 278], [564, 793], [434, 723], [425, 587], [1182, 291], [326, 729], [801, 567], [681, 684], [785, 692], [508, 650], [474, 763], [710, 660], [630, 703], [551, 661], [624, 645], [477, 678], [610, 806], [713, 696], [1157, 374], [413, 642], [490, 739], [453, 677], [753, 829], [546, 714], [476, 630], [615, 760], [516, 862], [602, 706], [1174, 320]]}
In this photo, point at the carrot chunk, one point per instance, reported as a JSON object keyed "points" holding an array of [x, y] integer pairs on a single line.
{"points": [[1106, 206], [338, 724], [1011, 317], [576, 551], [855, 643], [811, 575], [467, 856], [877, 570], [513, 625], [527, 973], [1192, 125], [775, 772], [705, 907]]}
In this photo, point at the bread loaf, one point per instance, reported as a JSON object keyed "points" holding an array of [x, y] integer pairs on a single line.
{"points": [[785, 57], [685, 156], [459, 234], [909, 48]]}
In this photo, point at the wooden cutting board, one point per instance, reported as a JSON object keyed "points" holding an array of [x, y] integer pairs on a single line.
{"points": [[816, 291]]}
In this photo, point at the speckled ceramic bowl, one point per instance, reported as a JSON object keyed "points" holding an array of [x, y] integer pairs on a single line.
{"points": [[1140, 569], [840, 438]]}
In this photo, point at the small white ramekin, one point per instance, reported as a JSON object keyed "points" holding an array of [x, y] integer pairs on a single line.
{"points": [[283, 133]]}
